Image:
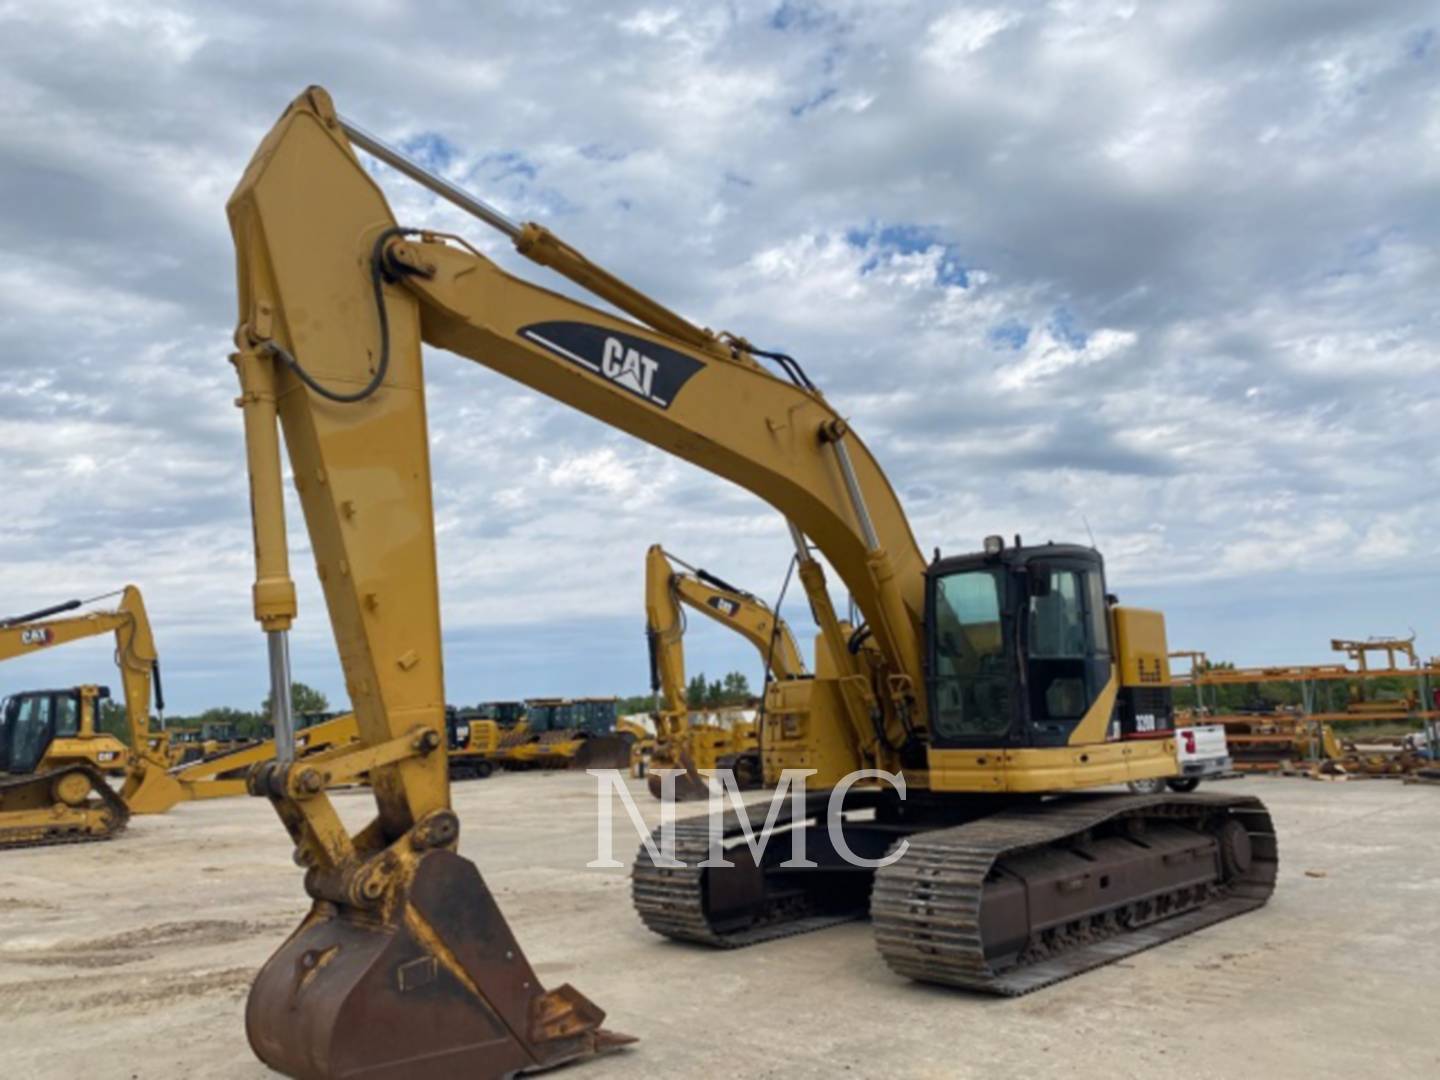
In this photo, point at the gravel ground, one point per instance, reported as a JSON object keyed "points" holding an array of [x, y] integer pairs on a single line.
{"points": [[131, 959]]}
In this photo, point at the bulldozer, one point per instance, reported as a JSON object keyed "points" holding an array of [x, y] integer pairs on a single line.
{"points": [[566, 733], [55, 758], [692, 747], [59, 728], [999, 687], [50, 736]]}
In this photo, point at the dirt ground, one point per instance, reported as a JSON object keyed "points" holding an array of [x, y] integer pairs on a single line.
{"points": [[131, 959]]}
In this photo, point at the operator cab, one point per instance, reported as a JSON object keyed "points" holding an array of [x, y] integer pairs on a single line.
{"points": [[505, 713], [596, 715], [30, 721], [457, 730], [1018, 644]]}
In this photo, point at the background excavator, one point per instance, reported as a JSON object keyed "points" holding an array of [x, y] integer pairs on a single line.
{"points": [[471, 740], [984, 681], [223, 774], [49, 744], [683, 742]]}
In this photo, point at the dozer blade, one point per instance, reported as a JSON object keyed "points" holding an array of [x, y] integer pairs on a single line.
{"points": [[436, 986], [64, 806], [603, 752]]}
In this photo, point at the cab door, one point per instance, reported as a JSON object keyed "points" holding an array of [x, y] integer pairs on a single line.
{"points": [[8, 710], [970, 661], [1067, 648], [32, 729]]}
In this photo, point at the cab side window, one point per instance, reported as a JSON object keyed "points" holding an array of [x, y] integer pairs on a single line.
{"points": [[67, 716], [1067, 647]]}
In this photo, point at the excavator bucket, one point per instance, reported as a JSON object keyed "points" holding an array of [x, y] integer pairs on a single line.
{"points": [[150, 789], [432, 984], [690, 786], [611, 751], [62, 806]]}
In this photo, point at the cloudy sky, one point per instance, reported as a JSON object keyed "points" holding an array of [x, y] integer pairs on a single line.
{"points": [[1163, 271]]}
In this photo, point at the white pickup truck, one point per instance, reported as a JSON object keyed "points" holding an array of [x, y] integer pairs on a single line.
{"points": [[1201, 753]]}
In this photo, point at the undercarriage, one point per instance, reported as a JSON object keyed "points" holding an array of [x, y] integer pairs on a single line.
{"points": [[1015, 898]]}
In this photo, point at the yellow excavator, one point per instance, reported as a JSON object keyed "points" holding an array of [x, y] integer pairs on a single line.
{"points": [[642, 742], [472, 741], [60, 726], [1000, 686], [56, 791], [683, 743], [223, 774]]}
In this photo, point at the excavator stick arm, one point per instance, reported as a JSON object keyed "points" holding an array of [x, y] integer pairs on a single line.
{"points": [[405, 964], [748, 617]]}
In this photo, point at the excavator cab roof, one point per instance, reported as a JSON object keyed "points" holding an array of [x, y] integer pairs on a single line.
{"points": [[1016, 557], [101, 693]]}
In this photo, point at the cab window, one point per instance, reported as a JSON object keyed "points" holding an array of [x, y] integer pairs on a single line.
{"points": [[1067, 645], [67, 715], [970, 685]]}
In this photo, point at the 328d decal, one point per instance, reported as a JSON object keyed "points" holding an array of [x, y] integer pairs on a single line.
{"points": [[649, 371]]}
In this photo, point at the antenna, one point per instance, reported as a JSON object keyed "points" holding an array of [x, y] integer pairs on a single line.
{"points": [[1086, 520]]}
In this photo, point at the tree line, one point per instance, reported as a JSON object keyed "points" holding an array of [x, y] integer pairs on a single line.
{"points": [[733, 688], [700, 693], [246, 724]]}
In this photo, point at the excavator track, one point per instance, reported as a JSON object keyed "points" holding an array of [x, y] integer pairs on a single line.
{"points": [[672, 901], [32, 814], [1180, 863], [961, 907]]}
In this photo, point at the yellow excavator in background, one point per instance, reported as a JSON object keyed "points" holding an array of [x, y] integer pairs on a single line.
{"points": [[188, 745], [642, 742], [223, 774], [472, 742], [682, 742], [56, 791], [983, 682]]}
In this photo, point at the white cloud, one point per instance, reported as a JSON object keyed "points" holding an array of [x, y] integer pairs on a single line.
{"points": [[963, 31], [1047, 355], [1168, 269]]}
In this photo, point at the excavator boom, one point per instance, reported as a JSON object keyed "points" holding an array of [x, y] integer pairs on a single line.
{"points": [[314, 234]]}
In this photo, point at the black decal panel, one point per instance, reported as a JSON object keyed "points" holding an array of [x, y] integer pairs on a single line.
{"points": [[649, 371]]}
